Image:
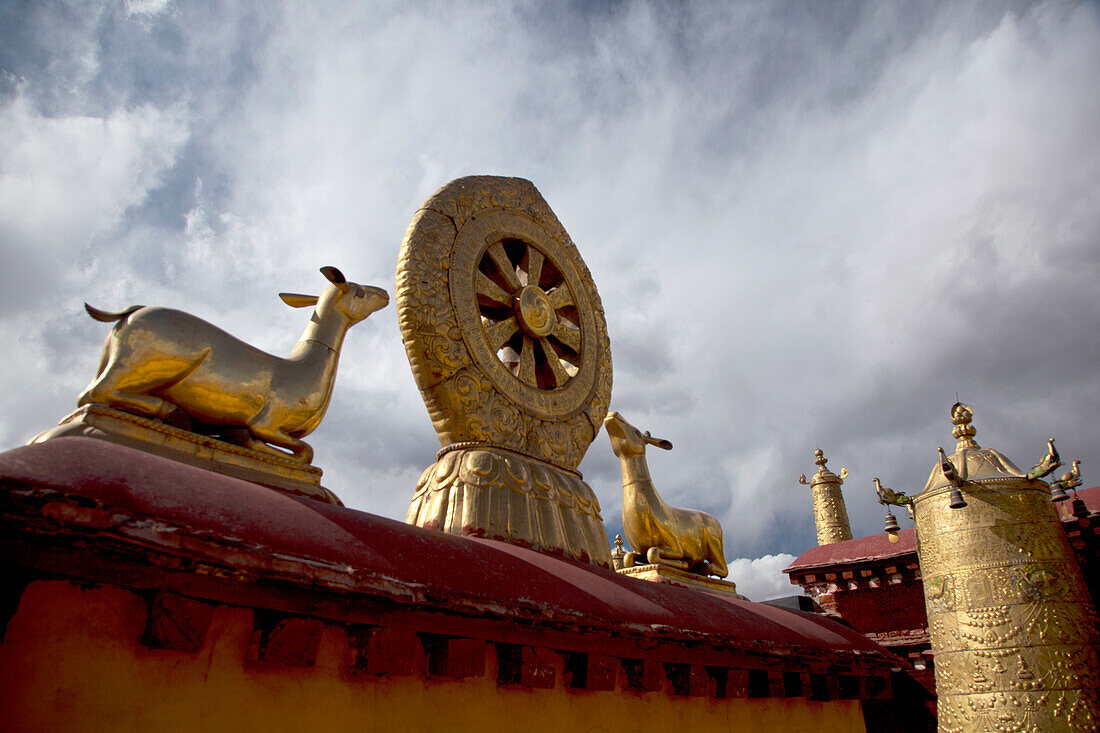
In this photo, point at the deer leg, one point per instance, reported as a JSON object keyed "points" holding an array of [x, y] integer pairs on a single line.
{"points": [[104, 391], [124, 385], [715, 551], [718, 563], [261, 436], [666, 556]]}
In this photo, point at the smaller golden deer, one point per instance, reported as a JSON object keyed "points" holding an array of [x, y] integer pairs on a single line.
{"points": [[681, 538]]}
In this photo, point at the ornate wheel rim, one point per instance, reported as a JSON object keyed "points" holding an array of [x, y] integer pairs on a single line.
{"points": [[525, 316], [502, 322]]}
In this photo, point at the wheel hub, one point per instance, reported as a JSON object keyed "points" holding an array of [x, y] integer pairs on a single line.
{"points": [[534, 312]]}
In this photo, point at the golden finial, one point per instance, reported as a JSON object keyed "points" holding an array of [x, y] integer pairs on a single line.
{"points": [[961, 416], [618, 553], [823, 473]]}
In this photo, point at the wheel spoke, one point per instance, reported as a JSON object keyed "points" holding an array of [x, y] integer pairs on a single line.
{"points": [[490, 291], [571, 337], [498, 334], [560, 297], [534, 266], [505, 269], [554, 362], [527, 363], [504, 266]]}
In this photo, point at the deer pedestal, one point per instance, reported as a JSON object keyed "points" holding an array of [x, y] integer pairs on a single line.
{"points": [[194, 449], [672, 576]]}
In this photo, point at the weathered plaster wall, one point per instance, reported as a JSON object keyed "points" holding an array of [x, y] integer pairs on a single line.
{"points": [[72, 660]]}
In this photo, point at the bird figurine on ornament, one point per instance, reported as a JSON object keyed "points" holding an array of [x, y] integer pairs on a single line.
{"points": [[1047, 464]]}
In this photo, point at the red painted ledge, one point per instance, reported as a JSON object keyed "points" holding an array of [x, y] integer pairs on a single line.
{"points": [[109, 493]]}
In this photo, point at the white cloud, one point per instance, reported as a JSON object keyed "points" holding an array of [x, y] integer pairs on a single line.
{"points": [[761, 578], [65, 176], [146, 7], [65, 183]]}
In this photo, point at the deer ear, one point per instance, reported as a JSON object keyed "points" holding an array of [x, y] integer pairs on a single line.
{"points": [[335, 277], [296, 300]]}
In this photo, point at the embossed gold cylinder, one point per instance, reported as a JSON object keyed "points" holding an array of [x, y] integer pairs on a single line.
{"points": [[830, 513], [1013, 632]]}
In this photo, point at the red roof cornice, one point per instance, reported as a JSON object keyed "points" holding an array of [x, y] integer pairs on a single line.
{"points": [[72, 493], [859, 551]]}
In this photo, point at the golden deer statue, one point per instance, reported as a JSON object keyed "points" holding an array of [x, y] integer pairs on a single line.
{"points": [[681, 538], [158, 361]]}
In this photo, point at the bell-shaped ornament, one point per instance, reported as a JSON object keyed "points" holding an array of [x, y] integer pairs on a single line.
{"points": [[891, 528], [1080, 510], [957, 501]]}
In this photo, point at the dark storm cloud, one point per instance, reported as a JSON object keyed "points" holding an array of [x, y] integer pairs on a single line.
{"points": [[810, 224]]}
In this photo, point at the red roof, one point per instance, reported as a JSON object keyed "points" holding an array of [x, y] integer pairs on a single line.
{"points": [[126, 497], [860, 550]]}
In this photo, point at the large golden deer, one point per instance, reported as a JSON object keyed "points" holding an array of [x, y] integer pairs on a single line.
{"points": [[682, 538], [158, 360]]}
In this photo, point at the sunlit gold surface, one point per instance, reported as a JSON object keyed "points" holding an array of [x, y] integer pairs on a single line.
{"points": [[1012, 629], [685, 539], [830, 513], [164, 364], [506, 338]]}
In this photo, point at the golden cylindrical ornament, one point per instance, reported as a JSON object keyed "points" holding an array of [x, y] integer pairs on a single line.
{"points": [[1012, 629], [830, 513]]}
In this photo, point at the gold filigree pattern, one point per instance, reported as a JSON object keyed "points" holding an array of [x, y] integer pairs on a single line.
{"points": [[503, 496], [497, 308], [507, 340], [830, 512], [1012, 630]]}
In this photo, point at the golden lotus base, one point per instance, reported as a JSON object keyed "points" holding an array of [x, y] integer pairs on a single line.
{"points": [[673, 576], [501, 495], [193, 449]]}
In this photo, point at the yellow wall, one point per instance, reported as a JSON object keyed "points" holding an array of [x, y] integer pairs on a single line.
{"points": [[71, 660]]}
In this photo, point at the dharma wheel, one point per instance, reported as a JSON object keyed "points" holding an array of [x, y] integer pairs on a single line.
{"points": [[507, 341]]}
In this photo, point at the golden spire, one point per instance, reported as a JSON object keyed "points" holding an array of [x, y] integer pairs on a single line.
{"points": [[969, 462], [830, 513], [618, 553], [961, 416]]}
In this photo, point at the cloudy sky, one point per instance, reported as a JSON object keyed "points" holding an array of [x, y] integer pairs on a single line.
{"points": [[811, 224]]}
